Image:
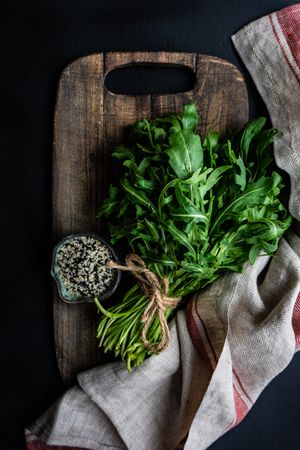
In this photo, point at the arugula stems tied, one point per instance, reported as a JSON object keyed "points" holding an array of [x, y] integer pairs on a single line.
{"points": [[193, 209]]}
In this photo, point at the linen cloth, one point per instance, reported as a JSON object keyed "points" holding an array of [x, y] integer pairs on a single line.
{"points": [[233, 338]]}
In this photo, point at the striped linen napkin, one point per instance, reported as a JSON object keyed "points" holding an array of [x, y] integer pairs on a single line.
{"points": [[233, 338]]}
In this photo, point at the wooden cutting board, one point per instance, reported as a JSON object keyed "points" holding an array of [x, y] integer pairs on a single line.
{"points": [[89, 121]]}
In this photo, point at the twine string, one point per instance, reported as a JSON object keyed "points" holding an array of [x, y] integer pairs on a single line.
{"points": [[156, 291]]}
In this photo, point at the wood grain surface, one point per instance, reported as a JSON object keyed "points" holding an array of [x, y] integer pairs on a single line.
{"points": [[89, 122]]}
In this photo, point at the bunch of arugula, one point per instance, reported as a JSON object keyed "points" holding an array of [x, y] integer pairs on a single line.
{"points": [[192, 210]]}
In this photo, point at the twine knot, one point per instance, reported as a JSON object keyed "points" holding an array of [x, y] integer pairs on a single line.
{"points": [[157, 292]]}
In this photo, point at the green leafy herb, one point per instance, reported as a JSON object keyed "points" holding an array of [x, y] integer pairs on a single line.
{"points": [[192, 210]]}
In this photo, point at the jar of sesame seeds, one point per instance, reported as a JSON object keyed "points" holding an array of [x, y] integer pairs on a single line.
{"points": [[79, 268]]}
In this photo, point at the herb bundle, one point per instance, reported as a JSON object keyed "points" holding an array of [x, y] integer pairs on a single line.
{"points": [[192, 209]]}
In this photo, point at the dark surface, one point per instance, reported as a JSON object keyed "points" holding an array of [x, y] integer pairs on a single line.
{"points": [[37, 40]]}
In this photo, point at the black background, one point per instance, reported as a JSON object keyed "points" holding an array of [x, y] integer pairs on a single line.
{"points": [[37, 40]]}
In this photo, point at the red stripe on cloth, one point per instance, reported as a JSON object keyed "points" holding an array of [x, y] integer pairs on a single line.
{"points": [[241, 409], [195, 335], [289, 20], [282, 49], [215, 356], [207, 336], [241, 386], [296, 320]]}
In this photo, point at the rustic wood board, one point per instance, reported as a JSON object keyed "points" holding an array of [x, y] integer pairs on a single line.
{"points": [[89, 121]]}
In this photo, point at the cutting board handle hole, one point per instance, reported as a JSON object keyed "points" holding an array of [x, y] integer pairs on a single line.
{"points": [[147, 79]]}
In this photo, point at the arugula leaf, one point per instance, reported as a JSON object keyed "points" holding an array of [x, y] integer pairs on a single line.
{"points": [[137, 196], [185, 153], [121, 152], [213, 179], [179, 236], [110, 203], [256, 193], [240, 176], [252, 128], [190, 118]]}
